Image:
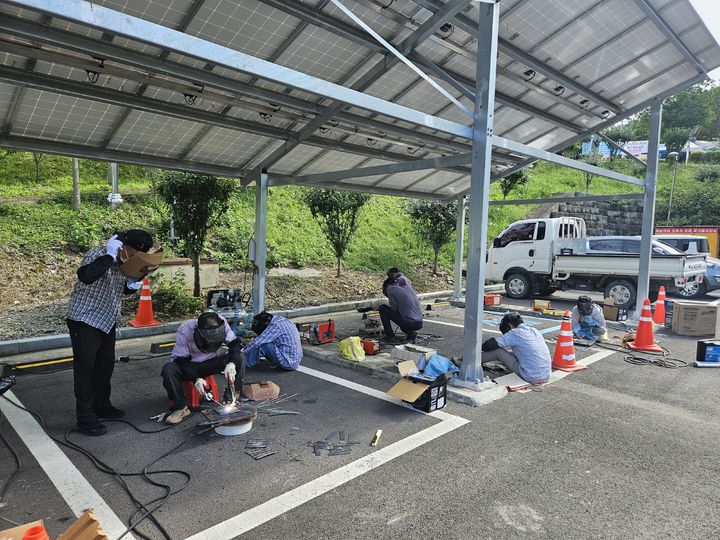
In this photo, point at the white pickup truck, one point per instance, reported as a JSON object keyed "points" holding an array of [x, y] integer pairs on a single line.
{"points": [[540, 256]]}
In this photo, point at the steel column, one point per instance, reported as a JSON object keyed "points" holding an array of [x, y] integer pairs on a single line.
{"points": [[648, 221], [459, 247], [261, 193], [480, 191]]}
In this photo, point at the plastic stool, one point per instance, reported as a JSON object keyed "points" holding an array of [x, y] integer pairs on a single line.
{"points": [[193, 396]]}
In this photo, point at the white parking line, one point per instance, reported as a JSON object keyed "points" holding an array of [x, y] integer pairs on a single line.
{"points": [[68, 480], [455, 325], [281, 504]]}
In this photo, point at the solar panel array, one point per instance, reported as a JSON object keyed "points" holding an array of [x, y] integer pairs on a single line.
{"points": [[565, 68]]}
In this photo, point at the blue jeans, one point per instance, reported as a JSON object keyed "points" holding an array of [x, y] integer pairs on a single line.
{"points": [[267, 350]]}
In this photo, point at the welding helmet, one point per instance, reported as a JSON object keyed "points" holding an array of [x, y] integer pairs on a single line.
{"points": [[260, 322], [510, 321], [584, 306], [209, 334]]}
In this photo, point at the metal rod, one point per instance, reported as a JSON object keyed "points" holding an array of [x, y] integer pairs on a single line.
{"points": [[459, 247]]}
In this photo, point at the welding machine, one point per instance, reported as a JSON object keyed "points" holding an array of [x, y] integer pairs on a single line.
{"points": [[317, 333]]}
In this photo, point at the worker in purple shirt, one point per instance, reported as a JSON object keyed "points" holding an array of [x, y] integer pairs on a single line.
{"points": [[403, 309], [203, 347], [277, 341]]}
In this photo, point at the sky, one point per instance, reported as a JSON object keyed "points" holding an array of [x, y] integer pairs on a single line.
{"points": [[710, 14]]}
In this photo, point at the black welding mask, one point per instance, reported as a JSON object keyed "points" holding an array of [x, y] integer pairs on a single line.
{"points": [[209, 334], [584, 306], [260, 322]]}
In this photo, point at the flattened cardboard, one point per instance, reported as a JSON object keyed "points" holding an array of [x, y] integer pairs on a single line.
{"points": [[133, 266], [415, 353], [407, 390]]}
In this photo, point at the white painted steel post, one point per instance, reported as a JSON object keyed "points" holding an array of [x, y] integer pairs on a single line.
{"points": [[261, 192], [648, 221], [114, 198], [459, 247], [480, 191]]}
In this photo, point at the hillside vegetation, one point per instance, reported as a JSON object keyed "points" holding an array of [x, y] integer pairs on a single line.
{"points": [[42, 238]]}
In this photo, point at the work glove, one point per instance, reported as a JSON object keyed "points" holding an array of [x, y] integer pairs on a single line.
{"points": [[589, 320], [113, 246], [202, 389], [134, 284], [230, 371]]}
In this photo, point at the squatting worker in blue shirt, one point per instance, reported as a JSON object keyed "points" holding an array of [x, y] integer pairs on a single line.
{"points": [[403, 308], [92, 314], [277, 341], [530, 356]]}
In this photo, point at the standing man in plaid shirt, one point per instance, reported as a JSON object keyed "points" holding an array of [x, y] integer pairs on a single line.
{"points": [[92, 315], [278, 341]]}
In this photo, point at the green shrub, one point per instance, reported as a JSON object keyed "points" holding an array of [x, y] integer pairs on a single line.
{"points": [[173, 301], [705, 157], [709, 174], [82, 236]]}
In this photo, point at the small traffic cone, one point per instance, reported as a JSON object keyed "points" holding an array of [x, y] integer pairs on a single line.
{"points": [[144, 315], [659, 314], [37, 532], [644, 340], [564, 357]]}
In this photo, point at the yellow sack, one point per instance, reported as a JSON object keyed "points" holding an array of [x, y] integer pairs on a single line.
{"points": [[351, 349]]}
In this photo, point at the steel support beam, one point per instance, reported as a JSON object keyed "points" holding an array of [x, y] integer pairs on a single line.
{"points": [[391, 168], [622, 149], [25, 144], [648, 222], [512, 146], [580, 198], [261, 193], [104, 19], [672, 37], [359, 188], [487, 33], [459, 247]]}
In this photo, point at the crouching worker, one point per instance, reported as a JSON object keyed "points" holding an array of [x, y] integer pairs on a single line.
{"points": [[587, 319], [203, 347], [403, 309], [530, 356], [277, 341]]}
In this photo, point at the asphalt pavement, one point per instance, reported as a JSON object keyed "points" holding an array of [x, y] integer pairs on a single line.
{"points": [[616, 451]]}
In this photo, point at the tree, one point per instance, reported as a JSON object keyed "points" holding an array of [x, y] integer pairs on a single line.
{"points": [[337, 213], [513, 180], [38, 159], [197, 202], [435, 223], [675, 138], [619, 133]]}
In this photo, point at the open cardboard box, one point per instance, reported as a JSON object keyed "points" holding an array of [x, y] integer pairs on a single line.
{"points": [[424, 393], [419, 355], [134, 265]]}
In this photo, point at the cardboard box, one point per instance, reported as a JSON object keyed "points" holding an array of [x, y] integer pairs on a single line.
{"points": [[427, 395], [695, 319], [539, 305], [708, 350], [134, 265], [415, 353], [612, 312], [261, 391], [16, 533]]}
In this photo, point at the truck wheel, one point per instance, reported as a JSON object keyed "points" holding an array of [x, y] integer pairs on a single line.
{"points": [[622, 292], [693, 289], [518, 286]]}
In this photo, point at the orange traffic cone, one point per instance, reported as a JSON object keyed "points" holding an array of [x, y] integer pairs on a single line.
{"points": [[644, 340], [37, 532], [659, 315], [144, 316], [564, 357]]}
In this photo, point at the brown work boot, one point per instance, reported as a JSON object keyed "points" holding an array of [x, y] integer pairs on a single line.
{"points": [[178, 415]]}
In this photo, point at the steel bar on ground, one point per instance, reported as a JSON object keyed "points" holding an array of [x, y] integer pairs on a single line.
{"points": [[472, 371], [648, 222], [261, 193]]}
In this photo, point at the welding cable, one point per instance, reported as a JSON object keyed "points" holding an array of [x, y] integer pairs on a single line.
{"points": [[13, 476], [646, 358], [107, 469]]}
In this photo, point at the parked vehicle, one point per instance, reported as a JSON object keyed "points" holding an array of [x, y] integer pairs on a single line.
{"points": [[695, 244], [711, 234], [540, 256]]}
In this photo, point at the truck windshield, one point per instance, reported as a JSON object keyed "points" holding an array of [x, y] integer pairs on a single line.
{"points": [[517, 233]]}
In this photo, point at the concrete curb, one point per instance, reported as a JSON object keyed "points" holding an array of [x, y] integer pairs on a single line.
{"points": [[59, 341], [454, 393]]}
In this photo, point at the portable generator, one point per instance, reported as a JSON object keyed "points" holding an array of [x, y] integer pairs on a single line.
{"points": [[317, 333]]}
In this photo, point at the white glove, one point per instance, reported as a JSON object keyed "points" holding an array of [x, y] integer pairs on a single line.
{"points": [[134, 284], [200, 387], [113, 246], [230, 371]]}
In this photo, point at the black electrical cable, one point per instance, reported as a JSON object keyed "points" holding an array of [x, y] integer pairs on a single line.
{"points": [[107, 469], [646, 358], [13, 476]]}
